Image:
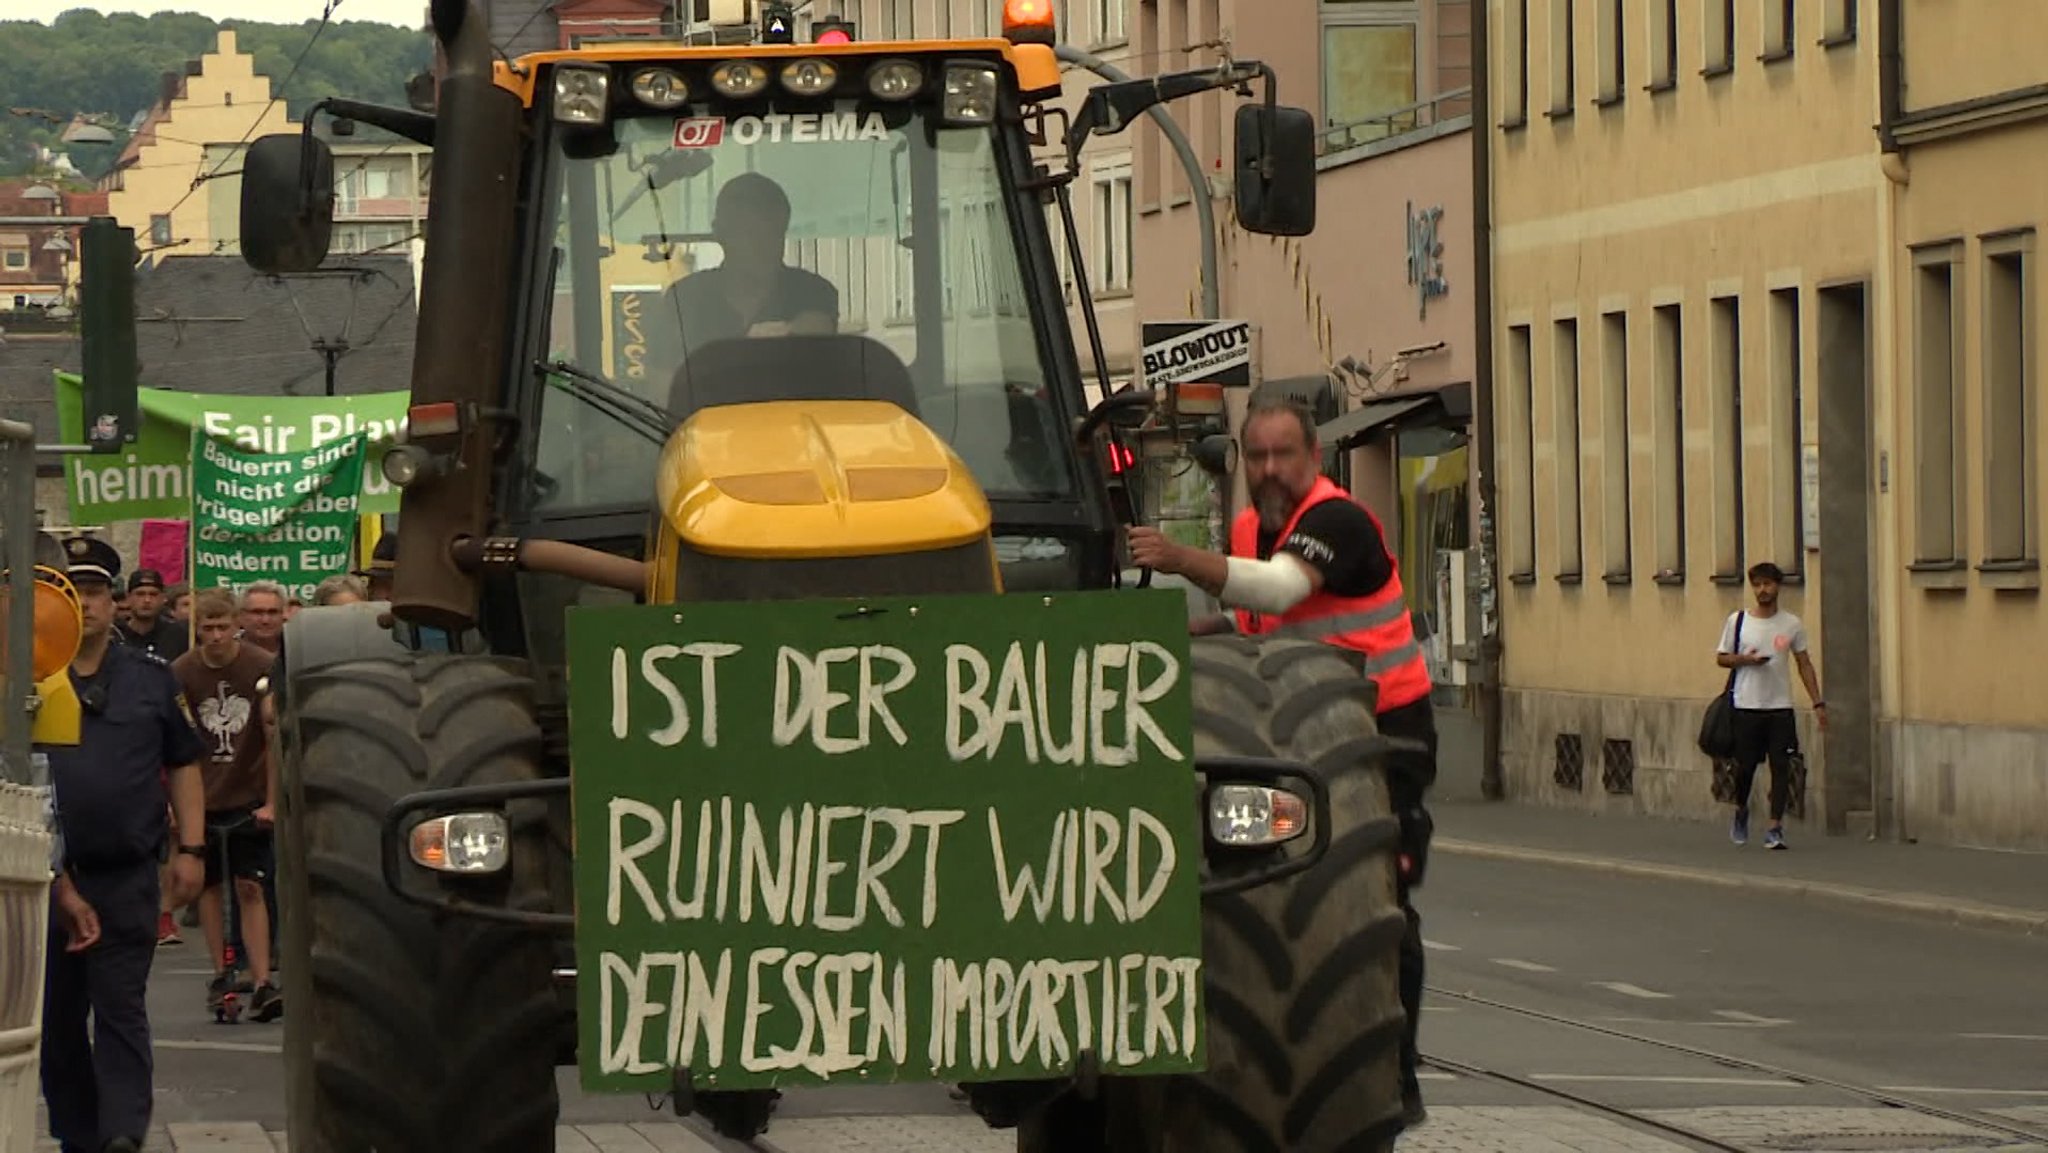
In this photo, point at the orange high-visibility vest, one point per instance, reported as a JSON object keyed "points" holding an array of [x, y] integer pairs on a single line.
{"points": [[1377, 626]]}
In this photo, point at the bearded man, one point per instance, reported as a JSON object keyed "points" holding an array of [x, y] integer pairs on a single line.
{"points": [[1307, 560]]}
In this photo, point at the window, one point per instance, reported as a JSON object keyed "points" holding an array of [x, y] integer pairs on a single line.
{"points": [[16, 259], [1571, 511], [1109, 21], [1112, 218], [1936, 367], [1668, 376], [1514, 35], [1521, 540], [1613, 52], [1663, 44], [1718, 29], [1724, 367], [2010, 408], [1614, 446], [1563, 57], [1370, 64], [1788, 437], [160, 230], [1838, 22], [1780, 20]]}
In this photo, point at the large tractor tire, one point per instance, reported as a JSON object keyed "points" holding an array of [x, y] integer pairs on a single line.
{"points": [[407, 1031], [1302, 975]]}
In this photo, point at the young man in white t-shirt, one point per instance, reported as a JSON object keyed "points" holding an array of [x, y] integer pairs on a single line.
{"points": [[1770, 642]]}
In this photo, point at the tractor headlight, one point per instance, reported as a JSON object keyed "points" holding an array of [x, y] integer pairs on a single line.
{"points": [[809, 77], [737, 79], [661, 88], [970, 94], [462, 843], [895, 80], [1249, 816], [582, 95]]}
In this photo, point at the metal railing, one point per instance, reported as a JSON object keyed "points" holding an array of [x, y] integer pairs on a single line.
{"points": [[24, 819], [1394, 122]]}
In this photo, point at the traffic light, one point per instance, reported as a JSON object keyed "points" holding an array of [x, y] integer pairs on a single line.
{"points": [[107, 287]]}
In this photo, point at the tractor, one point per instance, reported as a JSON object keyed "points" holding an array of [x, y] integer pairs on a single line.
{"points": [[872, 391]]}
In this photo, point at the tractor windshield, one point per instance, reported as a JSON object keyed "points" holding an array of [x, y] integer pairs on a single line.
{"points": [[702, 239]]}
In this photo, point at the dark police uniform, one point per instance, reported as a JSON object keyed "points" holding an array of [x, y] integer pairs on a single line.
{"points": [[111, 814]]}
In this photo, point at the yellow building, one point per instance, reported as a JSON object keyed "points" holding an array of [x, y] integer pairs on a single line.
{"points": [[1967, 722], [1687, 199], [220, 97]]}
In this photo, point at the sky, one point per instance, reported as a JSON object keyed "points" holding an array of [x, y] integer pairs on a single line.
{"points": [[406, 13]]}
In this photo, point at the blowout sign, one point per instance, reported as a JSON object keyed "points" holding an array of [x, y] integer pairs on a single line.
{"points": [[152, 477], [952, 839], [288, 517], [1197, 351]]}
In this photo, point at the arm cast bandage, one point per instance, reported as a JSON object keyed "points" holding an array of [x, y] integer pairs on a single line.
{"points": [[1265, 586]]}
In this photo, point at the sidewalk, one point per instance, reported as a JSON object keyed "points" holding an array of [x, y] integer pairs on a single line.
{"points": [[1986, 889]]}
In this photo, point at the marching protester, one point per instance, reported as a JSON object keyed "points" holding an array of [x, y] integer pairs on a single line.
{"points": [[148, 626], [221, 680], [136, 742], [340, 589], [262, 614]]}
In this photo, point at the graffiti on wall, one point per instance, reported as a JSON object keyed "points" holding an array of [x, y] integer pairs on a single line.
{"points": [[1426, 255]]}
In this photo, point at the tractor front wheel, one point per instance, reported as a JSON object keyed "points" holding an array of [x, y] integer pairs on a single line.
{"points": [[408, 1031]]}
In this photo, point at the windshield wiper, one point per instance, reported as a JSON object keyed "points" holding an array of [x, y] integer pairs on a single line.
{"points": [[630, 409]]}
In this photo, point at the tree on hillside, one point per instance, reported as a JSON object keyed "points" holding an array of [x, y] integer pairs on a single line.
{"points": [[108, 67]]}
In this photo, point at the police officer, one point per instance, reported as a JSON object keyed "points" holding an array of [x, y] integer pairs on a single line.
{"points": [[135, 734], [1308, 557]]}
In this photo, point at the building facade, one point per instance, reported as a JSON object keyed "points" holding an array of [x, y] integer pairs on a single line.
{"points": [[156, 183], [1688, 201], [1372, 318], [1961, 494]]}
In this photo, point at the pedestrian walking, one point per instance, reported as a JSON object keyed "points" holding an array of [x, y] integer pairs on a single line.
{"points": [[149, 626], [223, 679], [1309, 557], [1761, 646], [262, 614], [136, 737]]}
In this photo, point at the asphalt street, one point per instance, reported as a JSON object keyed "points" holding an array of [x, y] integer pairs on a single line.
{"points": [[1952, 1017]]}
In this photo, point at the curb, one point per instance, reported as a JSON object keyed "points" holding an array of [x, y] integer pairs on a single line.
{"points": [[1926, 905]]}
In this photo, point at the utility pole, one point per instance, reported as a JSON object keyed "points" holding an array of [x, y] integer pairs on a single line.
{"points": [[331, 349]]}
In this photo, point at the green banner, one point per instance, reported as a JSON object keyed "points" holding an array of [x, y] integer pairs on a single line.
{"points": [[288, 517], [153, 476], [951, 838]]}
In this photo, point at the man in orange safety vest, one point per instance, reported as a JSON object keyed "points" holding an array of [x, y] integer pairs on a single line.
{"points": [[1307, 560]]}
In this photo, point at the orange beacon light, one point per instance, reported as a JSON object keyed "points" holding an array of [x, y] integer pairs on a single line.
{"points": [[1028, 22]]}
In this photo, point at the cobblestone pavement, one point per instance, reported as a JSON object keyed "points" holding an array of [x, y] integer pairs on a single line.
{"points": [[1451, 1129]]}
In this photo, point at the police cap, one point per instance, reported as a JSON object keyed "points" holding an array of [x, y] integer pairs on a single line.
{"points": [[91, 560]]}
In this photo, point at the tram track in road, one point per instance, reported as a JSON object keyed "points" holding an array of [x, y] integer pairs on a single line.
{"points": [[1985, 1122]]}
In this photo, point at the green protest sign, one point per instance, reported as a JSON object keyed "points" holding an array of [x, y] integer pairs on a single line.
{"points": [[287, 517], [153, 476], [951, 838]]}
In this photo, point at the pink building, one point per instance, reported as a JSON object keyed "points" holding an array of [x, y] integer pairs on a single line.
{"points": [[1372, 318]]}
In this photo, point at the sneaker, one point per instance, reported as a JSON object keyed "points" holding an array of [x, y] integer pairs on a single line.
{"points": [[268, 1004], [218, 989], [1738, 830], [1774, 839], [167, 930]]}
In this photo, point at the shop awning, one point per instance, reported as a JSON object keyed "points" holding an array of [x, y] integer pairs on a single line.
{"points": [[1367, 419]]}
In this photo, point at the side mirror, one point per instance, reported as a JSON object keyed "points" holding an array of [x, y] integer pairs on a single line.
{"points": [[1276, 170], [1124, 409], [287, 203]]}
